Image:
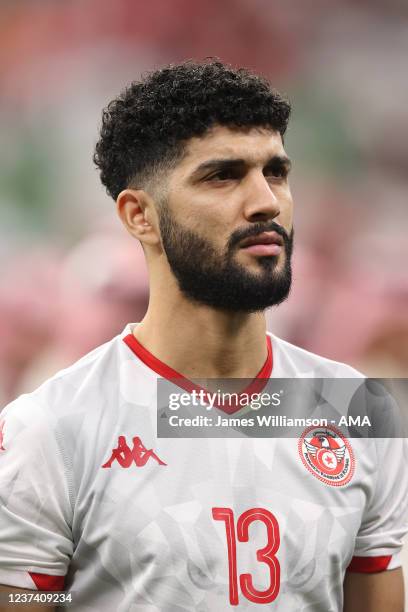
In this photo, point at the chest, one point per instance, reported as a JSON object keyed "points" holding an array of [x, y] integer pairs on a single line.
{"points": [[212, 509]]}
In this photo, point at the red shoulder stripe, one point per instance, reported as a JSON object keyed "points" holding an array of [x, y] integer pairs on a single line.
{"points": [[45, 582], [369, 565]]}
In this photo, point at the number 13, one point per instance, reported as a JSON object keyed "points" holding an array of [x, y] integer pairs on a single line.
{"points": [[264, 555]]}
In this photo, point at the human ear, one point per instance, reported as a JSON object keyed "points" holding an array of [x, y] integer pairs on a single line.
{"points": [[137, 213]]}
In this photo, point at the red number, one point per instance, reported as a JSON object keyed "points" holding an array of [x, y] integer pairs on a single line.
{"points": [[227, 515], [264, 555]]}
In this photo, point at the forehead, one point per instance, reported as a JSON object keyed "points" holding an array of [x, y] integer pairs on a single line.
{"points": [[254, 145]]}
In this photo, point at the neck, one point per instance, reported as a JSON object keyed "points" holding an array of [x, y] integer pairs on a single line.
{"points": [[201, 342]]}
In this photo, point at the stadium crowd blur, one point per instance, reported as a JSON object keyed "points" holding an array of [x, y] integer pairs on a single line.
{"points": [[70, 275]]}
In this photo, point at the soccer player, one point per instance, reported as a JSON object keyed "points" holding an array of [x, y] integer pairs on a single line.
{"points": [[93, 500]]}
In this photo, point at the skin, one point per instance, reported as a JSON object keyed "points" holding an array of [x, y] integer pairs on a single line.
{"points": [[5, 607], [233, 344], [382, 592]]}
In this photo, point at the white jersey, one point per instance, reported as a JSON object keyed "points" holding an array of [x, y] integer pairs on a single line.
{"points": [[94, 502]]}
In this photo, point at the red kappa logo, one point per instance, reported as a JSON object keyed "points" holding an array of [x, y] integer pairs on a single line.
{"points": [[125, 456], [1, 435], [327, 454]]}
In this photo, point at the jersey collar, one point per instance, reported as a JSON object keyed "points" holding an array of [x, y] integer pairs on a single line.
{"points": [[165, 371]]}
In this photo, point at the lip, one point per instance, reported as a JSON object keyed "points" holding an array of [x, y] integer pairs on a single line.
{"points": [[267, 250], [265, 238], [266, 244]]}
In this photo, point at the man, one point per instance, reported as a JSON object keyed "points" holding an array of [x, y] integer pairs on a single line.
{"points": [[93, 499]]}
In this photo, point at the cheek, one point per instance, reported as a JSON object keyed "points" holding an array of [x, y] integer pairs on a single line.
{"points": [[286, 215], [211, 222]]}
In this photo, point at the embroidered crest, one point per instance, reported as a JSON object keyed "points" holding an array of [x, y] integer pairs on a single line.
{"points": [[327, 454]]}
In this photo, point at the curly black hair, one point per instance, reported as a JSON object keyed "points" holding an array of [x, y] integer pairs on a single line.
{"points": [[146, 127]]}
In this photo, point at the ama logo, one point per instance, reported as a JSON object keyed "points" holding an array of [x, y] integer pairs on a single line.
{"points": [[327, 454]]}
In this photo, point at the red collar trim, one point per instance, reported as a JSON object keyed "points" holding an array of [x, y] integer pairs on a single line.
{"points": [[255, 386]]}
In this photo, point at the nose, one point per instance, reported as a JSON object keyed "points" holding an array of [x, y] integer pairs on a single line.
{"points": [[261, 203]]}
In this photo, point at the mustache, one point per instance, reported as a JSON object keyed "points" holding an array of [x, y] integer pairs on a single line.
{"points": [[255, 230]]}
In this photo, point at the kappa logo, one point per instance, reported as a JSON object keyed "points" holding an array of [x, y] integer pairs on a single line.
{"points": [[327, 454], [125, 455]]}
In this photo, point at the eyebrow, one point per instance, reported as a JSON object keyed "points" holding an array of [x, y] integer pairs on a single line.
{"points": [[228, 163]]}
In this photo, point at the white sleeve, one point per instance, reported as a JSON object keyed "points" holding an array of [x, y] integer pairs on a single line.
{"points": [[35, 508], [385, 521]]}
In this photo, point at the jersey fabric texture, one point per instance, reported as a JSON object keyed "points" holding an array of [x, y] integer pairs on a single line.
{"points": [[94, 502]]}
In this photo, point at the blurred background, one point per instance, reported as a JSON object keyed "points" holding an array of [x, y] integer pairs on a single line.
{"points": [[71, 278]]}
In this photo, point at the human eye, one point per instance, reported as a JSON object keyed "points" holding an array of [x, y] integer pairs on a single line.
{"points": [[277, 171], [224, 174]]}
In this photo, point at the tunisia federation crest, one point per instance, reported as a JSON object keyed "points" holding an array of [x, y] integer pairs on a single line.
{"points": [[327, 454]]}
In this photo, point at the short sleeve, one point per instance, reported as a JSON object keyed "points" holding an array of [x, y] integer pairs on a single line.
{"points": [[385, 521], [35, 505]]}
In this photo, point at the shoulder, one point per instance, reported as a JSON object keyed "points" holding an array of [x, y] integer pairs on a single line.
{"points": [[291, 360], [78, 387]]}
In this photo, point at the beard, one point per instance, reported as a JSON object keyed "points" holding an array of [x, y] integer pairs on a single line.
{"points": [[207, 277]]}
